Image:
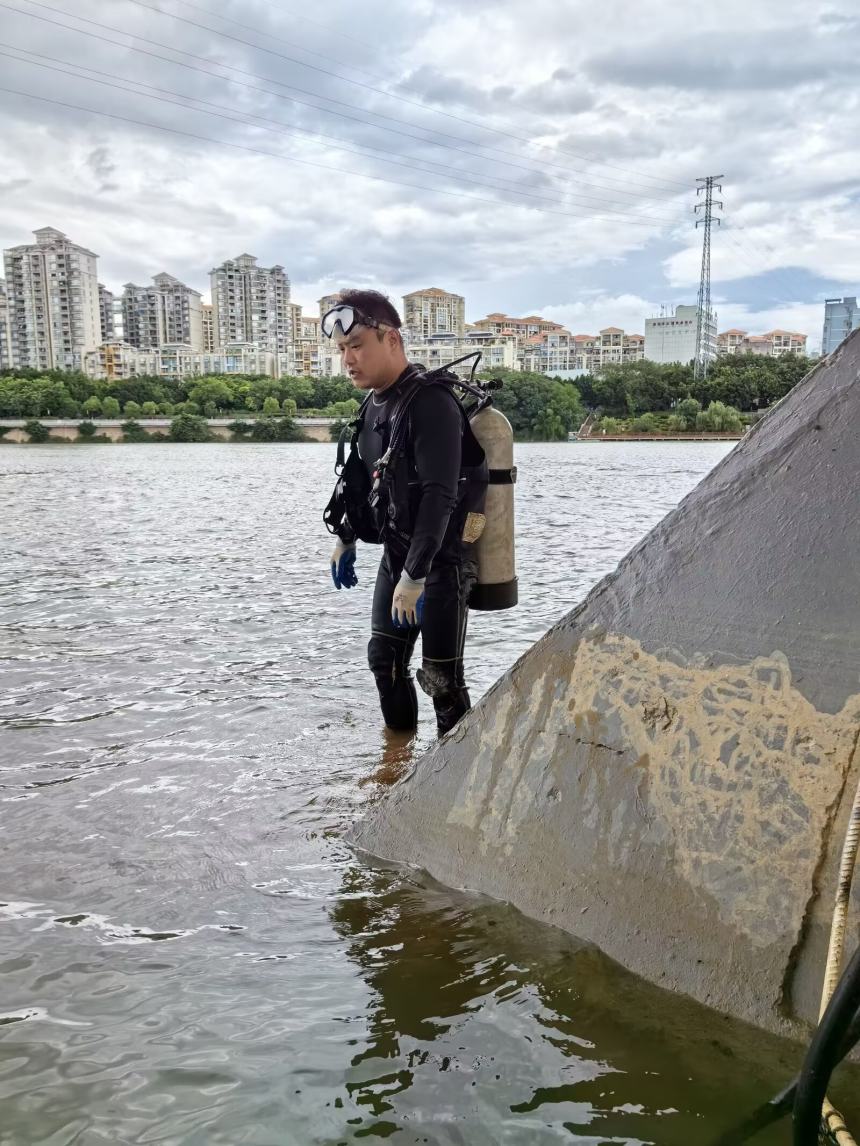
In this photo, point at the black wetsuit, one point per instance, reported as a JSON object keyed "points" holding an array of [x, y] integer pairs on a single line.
{"points": [[434, 550]]}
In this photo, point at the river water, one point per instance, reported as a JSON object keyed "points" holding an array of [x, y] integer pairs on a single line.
{"points": [[189, 953]]}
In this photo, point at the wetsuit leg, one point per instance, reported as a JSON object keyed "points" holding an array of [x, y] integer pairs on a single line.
{"points": [[389, 652], [443, 636]]}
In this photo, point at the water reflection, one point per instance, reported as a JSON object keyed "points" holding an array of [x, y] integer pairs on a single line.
{"points": [[486, 1027]]}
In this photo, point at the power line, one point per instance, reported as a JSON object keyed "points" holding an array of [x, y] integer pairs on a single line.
{"points": [[279, 39], [380, 91], [308, 162], [572, 173], [245, 118]]}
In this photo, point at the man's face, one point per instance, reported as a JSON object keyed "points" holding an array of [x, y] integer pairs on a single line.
{"points": [[371, 361]]}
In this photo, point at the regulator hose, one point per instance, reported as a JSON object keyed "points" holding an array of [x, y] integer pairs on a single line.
{"points": [[823, 1056], [781, 1104]]}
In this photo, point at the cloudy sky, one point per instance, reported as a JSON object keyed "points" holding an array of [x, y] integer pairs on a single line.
{"points": [[533, 155]]}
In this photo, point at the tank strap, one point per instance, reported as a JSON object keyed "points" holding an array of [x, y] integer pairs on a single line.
{"points": [[504, 477], [354, 426]]}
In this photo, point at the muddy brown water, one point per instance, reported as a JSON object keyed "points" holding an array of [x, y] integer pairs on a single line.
{"points": [[189, 953]]}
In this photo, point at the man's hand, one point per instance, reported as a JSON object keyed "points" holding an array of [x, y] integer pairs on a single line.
{"points": [[343, 565], [407, 604]]}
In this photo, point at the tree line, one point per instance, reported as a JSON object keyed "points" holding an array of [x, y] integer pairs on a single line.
{"points": [[539, 407]]}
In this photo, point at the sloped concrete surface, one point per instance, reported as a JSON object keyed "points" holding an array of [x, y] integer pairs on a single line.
{"points": [[669, 771]]}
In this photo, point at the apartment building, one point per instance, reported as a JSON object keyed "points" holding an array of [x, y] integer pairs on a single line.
{"points": [[107, 324], [841, 316], [121, 360], [5, 359], [498, 323], [672, 337], [251, 304], [442, 349], [168, 313], [433, 311], [327, 302], [208, 328], [52, 301], [772, 344]]}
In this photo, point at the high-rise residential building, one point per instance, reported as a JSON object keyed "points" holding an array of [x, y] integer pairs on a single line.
{"points": [[327, 302], [5, 359], [841, 316], [168, 313], [251, 304], [52, 298], [433, 311], [772, 344], [208, 328], [106, 314], [672, 337]]}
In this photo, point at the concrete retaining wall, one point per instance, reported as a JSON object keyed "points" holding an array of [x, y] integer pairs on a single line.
{"points": [[668, 772]]}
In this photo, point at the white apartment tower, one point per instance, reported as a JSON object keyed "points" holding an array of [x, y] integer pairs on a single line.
{"points": [[5, 360], [251, 304], [106, 314], [672, 337], [208, 328], [168, 313], [434, 311], [52, 299]]}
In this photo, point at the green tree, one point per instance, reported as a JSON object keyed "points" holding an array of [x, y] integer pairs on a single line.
{"points": [[687, 410], [86, 431], [93, 406], [149, 409], [608, 425], [110, 407], [289, 407], [166, 408], [271, 406], [276, 430], [719, 417], [131, 410], [548, 426], [189, 428], [645, 424], [133, 432], [36, 431]]}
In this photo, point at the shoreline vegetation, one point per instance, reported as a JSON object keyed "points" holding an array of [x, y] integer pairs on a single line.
{"points": [[634, 401]]}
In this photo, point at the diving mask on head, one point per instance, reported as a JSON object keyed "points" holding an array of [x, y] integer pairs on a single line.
{"points": [[346, 317]]}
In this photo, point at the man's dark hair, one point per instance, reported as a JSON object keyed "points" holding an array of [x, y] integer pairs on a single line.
{"points": [[374, 304]]}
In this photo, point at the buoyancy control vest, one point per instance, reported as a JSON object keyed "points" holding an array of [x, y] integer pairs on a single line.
{"points": [[382, 507]]}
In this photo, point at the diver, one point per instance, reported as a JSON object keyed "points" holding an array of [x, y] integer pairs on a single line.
{"points": [[415, 479]]}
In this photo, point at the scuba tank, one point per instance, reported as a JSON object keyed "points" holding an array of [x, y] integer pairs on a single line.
{"points": [[496, 586]]}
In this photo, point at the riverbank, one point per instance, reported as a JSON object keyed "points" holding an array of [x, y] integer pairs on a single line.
{"points": [[14, 431], [716, 436]]}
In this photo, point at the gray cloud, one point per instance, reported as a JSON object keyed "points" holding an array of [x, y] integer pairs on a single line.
{"points": [[725, 61], [181, 194]]}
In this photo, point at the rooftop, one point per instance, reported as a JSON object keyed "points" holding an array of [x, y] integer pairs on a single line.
{"points": [[437, 292]]}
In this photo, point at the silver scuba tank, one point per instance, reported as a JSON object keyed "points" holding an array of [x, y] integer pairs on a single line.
{"points": [[496, 587]]}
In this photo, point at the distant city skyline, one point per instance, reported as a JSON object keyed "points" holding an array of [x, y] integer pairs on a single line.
{"points": [[557, 177]]}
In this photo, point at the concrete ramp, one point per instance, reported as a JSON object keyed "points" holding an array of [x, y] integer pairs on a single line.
{"points": [[668, 772]]}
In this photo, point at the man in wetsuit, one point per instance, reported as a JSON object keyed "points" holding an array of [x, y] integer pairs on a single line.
{"points": [[427, 568]]}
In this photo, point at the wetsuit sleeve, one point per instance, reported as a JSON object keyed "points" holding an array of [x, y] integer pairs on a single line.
{"points": [[436, 435]]}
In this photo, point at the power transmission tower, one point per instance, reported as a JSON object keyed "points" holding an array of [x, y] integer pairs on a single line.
{"points": [[704, 317]]}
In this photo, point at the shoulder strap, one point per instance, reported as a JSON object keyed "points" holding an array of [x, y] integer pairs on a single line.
{"points": [[354, 426]]}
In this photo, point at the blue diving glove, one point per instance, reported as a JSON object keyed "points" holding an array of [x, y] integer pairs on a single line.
{"points": [[343, 565], [407, 605]]}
